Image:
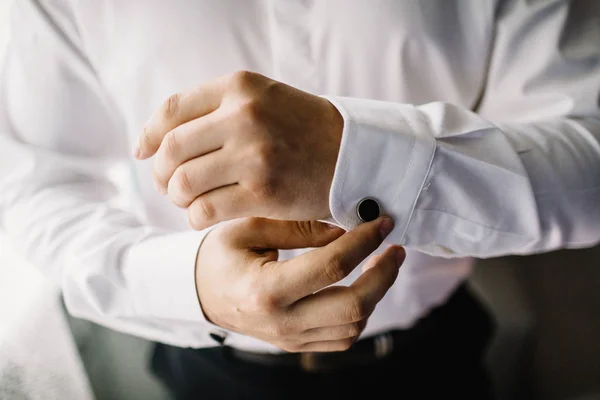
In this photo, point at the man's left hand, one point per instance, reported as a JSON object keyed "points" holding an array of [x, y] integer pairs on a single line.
{"points": [[244, 145]]}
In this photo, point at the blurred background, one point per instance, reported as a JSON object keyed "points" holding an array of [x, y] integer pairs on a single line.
{"points": [[547, 344]]}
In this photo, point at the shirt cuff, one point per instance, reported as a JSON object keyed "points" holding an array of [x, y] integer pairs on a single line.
{"points": [[160, 274], [385, 154]]}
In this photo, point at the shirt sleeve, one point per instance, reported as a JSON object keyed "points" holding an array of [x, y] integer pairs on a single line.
{"points": [[60, 136], [518, 175]]}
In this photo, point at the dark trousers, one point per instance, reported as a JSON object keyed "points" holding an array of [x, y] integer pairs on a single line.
{"points": [[441, 357]]}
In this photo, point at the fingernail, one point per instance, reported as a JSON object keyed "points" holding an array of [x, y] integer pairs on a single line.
{"points": [[400, 256], [136, 151], [386, 227], [332, 226]]}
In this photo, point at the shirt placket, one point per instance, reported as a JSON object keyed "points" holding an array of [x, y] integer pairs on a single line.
{"points": [[294, 60]]}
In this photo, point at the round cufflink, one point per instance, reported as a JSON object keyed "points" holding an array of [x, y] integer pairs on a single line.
{"points": [[368, 209]]}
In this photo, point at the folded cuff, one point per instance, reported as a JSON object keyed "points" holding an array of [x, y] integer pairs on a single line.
{"points": [[385, 154], [160, 271]]}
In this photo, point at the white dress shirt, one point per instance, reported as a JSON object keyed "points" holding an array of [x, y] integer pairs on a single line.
{"points": [[474, 123]]}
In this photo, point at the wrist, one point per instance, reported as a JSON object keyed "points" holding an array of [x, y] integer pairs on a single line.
{"points": [[199, 273]]}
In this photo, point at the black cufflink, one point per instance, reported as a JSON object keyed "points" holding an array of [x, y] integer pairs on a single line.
{"points": [[217, 338], [368, 209]]}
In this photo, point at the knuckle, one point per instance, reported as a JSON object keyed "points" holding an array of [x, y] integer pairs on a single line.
{"points": [[170, 107], [241, 79], [200, 213], [334, 269], [160, 177], [272, 87], [356, 309], [305, 229], [266, 151], [263, 179], [354, 329], [265, 187], [241, 75], [252, 112], [182, 185], [171, 143]]}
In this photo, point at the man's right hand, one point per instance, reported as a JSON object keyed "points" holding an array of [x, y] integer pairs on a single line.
{"points": [[242, 287]]}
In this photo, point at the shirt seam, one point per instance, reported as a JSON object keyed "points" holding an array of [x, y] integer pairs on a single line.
{"points": [[426, 175], [414, 205], [409, 165]]}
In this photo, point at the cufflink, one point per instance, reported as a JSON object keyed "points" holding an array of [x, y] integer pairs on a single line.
{"points": [[218, 337], [367, 209]]}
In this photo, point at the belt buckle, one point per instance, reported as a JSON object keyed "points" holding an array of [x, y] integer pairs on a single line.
{"points": [[383, 345], [308, 362]]}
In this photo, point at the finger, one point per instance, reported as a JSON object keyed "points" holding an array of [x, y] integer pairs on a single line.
{"points": [[378, 277], [218, 205], [201, 175], [322, 267], [185, 142], [328, 346], [337, 332], [275, 234], [338, 305], [178, 109]]}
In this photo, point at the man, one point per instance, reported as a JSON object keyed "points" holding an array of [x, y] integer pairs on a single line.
{"points": [[473, 124]]}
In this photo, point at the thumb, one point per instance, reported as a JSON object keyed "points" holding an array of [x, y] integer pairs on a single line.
{"points": [[277, 234]]}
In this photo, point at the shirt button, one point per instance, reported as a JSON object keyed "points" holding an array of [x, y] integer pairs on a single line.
{"points": [[367, 209], [218, 337]]}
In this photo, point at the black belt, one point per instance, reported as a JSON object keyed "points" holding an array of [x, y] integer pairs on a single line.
{"points": [[443, 326], [364, 352]]}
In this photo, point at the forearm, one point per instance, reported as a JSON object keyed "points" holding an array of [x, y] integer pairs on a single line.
{"points": [[60, 137], [517, 174], [112, 267]]}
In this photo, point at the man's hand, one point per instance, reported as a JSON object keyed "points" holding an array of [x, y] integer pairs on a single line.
{"points": [[242, 286], [244, 146]]}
